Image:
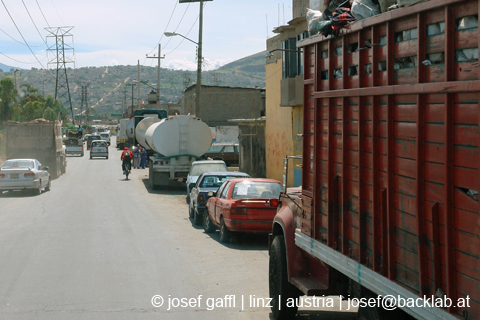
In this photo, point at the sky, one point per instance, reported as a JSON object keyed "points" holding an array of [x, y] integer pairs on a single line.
{"points": [[123, 32]]}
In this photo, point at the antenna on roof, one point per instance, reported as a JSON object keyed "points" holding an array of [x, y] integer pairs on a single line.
{"points": [[266, 20]]}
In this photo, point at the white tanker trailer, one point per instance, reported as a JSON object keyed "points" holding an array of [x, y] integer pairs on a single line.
{"points": [[177, 141]]}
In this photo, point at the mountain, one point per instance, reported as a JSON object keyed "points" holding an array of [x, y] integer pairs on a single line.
{"points": [[252, 65], [107, 86], [6, 68]]}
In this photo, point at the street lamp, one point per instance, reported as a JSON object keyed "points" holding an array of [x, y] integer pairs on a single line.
{"points": [[199, 62]]}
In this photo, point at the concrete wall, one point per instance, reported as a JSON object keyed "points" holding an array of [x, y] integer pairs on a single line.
{"points": [[219, 104], [278, 131], [252, 146]]}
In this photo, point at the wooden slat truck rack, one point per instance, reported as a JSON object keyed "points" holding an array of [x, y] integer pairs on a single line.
{"points": [[389, 203]]}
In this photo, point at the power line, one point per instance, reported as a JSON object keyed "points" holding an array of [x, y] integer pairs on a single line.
{"points": [[176, 2], [57, 12], [178, 25], [34, 22], [23, 44], [195, 22], [42, 14], [22, 35], [18, 60]]}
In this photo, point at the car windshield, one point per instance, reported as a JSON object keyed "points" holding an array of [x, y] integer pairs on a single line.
{"points": [[98, 144], [18, 163], [198, 169], [256, 190], [215, 149], [215, 181], [104, 135]]}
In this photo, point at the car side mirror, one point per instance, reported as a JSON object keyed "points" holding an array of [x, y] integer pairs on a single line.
{"points": [[191, 186], [212, 194], [44, 168]]}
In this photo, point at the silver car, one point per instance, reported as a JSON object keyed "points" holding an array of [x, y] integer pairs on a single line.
{"points": [[99, 148], [24, 174]]}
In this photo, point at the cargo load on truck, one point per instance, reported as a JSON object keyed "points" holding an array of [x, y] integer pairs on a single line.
{"points": [[390, 168], [39, 139]]}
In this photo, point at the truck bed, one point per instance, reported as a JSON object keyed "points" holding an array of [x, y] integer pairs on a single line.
{"points": [[391, 151]]}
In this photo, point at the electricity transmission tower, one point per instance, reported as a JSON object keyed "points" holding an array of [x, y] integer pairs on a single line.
{"points": [[62, 53]]}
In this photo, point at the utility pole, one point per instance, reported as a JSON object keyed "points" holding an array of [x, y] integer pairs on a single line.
{"points": [[138, 84], [61, 88], [199, 62], [158, 72], [82, 103]]}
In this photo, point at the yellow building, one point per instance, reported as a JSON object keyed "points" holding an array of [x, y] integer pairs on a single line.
{"points": [[284, 96]]}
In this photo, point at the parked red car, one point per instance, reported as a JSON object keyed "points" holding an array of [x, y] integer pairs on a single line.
{"points": [[242, 205]]}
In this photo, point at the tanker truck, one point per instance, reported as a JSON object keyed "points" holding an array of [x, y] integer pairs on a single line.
{"points": [[176, 141], [138, 116]]}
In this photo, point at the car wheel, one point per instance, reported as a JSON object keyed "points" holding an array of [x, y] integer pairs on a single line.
{"points": [[190, 211], [187, 199], [49, 185], [38, 190], [106, 157], [83, 154], [208, 226], [91, 157], [224, 232], [197, 219], [280, 289]]}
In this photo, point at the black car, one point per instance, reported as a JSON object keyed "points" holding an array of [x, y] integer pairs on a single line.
{"points": [[227, 152], [207, 182]]}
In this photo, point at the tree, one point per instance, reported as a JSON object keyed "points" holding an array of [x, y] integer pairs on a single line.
{"points": [[7, 99]]}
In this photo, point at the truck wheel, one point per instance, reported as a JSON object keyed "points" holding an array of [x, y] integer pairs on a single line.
{"points": [[278, 281], [197, 219], [208, 227], [224, 232]]}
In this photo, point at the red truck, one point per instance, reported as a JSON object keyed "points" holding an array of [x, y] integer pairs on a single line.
{"points": [[388, 206]]}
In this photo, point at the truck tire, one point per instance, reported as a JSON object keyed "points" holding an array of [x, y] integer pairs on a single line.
{"points": [[224, 232], [278, 281]]}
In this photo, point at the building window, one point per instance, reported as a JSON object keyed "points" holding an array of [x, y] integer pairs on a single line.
{"points": [[292, 60]]}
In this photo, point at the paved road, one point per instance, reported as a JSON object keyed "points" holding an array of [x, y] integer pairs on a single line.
{"points": [[99, 247]]}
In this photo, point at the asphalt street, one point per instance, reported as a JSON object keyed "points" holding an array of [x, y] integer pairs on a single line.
{"points": [[99, 247]]}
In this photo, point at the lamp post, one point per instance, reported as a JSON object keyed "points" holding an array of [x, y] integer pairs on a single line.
{"points": [[199, 58]]}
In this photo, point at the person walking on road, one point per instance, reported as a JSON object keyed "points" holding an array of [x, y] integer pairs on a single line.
{"points": [[143, 156], [136, 157]]}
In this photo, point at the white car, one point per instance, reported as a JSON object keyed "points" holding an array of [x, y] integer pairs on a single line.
{"points": [[99, 148], [105, 136], [24, 174]]}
